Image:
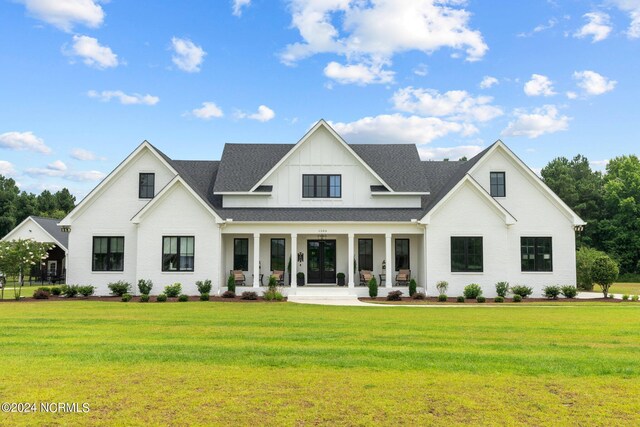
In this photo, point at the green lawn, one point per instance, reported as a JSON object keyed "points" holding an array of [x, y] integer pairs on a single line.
{"points": [[27, 291], [622, 288], [288, 364]]}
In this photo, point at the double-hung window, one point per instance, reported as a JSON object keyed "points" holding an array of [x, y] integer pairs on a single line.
{"points": [[241, 254], [146, 185], [402, 254], [178, 253], [108, 254], [277, 254], [497, 184], [322, 186], [365, 254], [466, 254]]}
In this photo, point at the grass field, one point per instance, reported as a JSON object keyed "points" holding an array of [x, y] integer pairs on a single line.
{"points": [[288, 364], [622, 288]]}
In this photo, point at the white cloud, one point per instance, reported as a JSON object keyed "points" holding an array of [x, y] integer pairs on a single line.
{"points": [[537, 123], [264, 114], [59, 170], [632, 7], [454, 104], [488, 82], [360, 74], [421, 70], [540, 28], [452, 153], [593, 83], [599, 164], [82, 176], [598, 27], [396, 128], [58, 165], [539, 85], [6, 168], [207, 111], [187, 55], [23, 141], [135, 98], [238, 5], [92, 53], [571, 95], [64, 14], [84, 155]]}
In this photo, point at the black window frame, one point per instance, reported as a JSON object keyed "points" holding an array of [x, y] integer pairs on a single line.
{"points": [[365, 257], [284, 252], [408, 255], [144, 188], [538, 244], [236, 264], [180, 268], [497, 188], [315, 185], [465, 264], [109, 261]]}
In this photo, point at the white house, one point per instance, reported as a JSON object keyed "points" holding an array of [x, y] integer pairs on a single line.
{"points": [[329, 206]]}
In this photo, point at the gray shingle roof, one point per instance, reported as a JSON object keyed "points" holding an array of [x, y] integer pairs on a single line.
{"points": [[50, 225]]}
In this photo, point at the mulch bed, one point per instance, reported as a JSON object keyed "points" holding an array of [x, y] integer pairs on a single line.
{"points": [[434, 300], [237, 299]]}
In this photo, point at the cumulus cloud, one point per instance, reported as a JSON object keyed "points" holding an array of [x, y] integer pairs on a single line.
{"points": [[453, 153], [92, 53], [540, 28], [593, 83], [454, 104], [264, 114], [632, 7], [23, 141], [488, 82], [84, 155], [360, 74], [537, 123], [126, 99], [59, 170], [6, 168], [396, 128], [208, 111], [65, 14], [238, 5], [539, 85], [598, 27], [186, 55]]}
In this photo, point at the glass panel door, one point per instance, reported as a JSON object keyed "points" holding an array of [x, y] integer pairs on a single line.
{"points": [[321, 264]]}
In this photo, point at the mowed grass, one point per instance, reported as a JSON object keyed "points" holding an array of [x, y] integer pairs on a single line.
{"points": [[287, 364], [622, 288], [9, 293]]}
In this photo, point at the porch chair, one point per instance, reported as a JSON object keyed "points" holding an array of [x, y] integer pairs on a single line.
{"points": [[239, 278], [403, 277], [279, 276], [365, 276]]}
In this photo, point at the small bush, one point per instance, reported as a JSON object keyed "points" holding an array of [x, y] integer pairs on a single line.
{"points": [[502, 289], [373, 287], [610, 296], [481, 299], [183, 298], [70, 291], [498, 299], [144, 298], [44, 288], [634, 298], [278, 296], [145, 286], [413, 287], [228, 294], [204, 297], [472, 291], [419, 296], [161, 298], [517, 298], [248, 295], [442, 298], [56, 290], [460, 299], [204, 287], [41, 294], [273, 295], [273, 283], [172, 291], [126, 297], [86, 291], [394, 296], [231, 284], [551, 292], [119, 288], [522, 291], [569, 291], [625, 297], [340, 276], [442, 286]]}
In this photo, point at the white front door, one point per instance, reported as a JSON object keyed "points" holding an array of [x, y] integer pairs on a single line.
{"points": [[52, 268]]}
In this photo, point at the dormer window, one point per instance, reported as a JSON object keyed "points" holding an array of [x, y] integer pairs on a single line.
{"points": [[322, 186], [497, 184], [146, 185]]}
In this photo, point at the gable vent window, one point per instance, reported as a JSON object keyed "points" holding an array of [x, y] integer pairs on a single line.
{"points": [[322, 186], [146, 187], [497, 184]]}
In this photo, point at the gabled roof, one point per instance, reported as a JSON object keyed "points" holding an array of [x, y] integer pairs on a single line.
{"points": [[50, 227]]}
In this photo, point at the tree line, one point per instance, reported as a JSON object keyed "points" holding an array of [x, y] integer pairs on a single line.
{"points": [[16, 205]]}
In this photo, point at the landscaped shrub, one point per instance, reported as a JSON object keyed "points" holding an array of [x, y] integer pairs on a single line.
{"points": [[634, 298], [460, 299], [419, 296], [144, 298], [604, 272], [228, 294], [119, 288], [248, 295], [442, 298], [86, 291], [44, 288], [472, 291], [231, 284], [502, 289], [56, 290], [172, 291], [522, 291], [394, 296], [161, 298], [442, 286], [551, 292], [70, 291], [273, 283], [517, 298], [204, 287], [41, 294], [183, 298], [204, 297], [273, 296], [145, 286], [625, 297], [481, 299], [126, 297], [584, 261], [413, 287], [498, 299], [569, 291], [373, 287], [610, 296]]}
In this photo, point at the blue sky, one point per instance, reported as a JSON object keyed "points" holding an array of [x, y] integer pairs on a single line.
{"points": [[83, 82]]}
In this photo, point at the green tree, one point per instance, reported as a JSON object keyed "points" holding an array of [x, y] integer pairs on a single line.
{"points": [[46, 203], [8, 193], [585, 257], [18, 256], [65, 201], [603, 272], [26, 204]]}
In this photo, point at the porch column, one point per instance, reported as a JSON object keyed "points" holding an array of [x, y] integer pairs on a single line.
{"points": [[294, 260], [350, 261], [389, 272], [256, 260]]}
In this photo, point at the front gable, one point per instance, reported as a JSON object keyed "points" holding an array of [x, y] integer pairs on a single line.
{"points": [[30, 229]]}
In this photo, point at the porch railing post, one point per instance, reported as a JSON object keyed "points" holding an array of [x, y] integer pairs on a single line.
{"points": [[256, 260], [389, 273], [294, 260]]}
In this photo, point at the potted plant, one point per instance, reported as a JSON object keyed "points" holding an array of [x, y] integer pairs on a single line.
{"points": [[300, 278], [340, 277]]}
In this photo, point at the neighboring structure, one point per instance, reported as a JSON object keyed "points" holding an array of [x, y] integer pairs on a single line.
{"points": [[329, 207], [44, 230]]}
